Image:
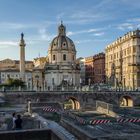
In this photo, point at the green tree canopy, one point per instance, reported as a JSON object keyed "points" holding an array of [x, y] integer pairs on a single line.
{"points": [[15, 82]]}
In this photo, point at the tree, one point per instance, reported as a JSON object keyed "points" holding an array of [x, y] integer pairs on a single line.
{"points": [[15, 83]]}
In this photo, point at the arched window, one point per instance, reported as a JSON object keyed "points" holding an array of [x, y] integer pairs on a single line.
{"points": [[64, 57], [53, 57]]}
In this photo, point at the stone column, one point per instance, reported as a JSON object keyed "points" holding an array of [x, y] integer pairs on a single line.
{"points": [[22, 57]]}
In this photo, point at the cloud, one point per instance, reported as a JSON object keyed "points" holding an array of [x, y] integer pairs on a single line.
{"points": [[76, 32], [99, 34], [78, 21], [44, 35], [93, 30], [104, 10], [17, 26], [84, 15], [90, 40], [134, 4], [130, 24], [133, 20], [87, 18], [83, 41], [60, 16], [70, 33], [9, 25], [125, 26], [7, 44]]}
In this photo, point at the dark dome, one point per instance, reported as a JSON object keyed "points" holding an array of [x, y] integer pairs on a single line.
{"points": [[62, 42]]}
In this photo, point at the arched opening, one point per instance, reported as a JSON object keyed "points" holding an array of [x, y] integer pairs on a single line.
{"points": [[71, 103], [126, 101]]}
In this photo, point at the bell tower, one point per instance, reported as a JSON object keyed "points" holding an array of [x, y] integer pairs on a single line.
{"points": [[22, 57]]}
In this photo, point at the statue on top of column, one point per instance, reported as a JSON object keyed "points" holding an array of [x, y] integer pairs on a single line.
{"points": [[22, 35]]}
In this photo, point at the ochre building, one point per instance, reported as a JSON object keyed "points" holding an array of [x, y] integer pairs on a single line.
{"points": [[122, 61]]}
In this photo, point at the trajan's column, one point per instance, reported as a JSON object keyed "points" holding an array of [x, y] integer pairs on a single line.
{"points": [[22, 57]]}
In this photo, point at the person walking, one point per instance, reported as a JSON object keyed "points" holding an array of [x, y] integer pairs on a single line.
{"points": [[18, 122], [13, 120]]}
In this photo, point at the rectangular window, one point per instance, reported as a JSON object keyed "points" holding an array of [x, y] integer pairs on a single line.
{"points": [[64, 57], [53, 57], [117, 54], [134, 49], [124, 52], [114, 56]]}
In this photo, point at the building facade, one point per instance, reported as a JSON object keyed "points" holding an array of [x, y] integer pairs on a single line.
{"points": [[99, 68], [39, 82], [95, 69], [6, 74], [17, 69], [122, 61], [89, 70], [58, 70], [61, 69]]}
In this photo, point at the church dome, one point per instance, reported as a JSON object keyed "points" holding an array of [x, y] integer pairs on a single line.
{"points": [[61, 41]]}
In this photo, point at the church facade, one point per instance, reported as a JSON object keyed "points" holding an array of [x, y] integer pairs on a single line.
{"points": [[61, 69], [57, 71]]}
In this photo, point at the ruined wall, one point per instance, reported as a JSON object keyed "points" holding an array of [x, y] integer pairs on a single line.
{"points": [[84, 98], [28, 135]]}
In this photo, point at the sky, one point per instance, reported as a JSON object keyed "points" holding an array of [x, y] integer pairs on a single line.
{"points": [[91, 24]]}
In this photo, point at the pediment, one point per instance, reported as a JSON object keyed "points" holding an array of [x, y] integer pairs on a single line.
{"points": [[7, 61]]}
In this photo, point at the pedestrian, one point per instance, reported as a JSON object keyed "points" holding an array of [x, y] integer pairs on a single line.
{"points": [[18, 122], [13, 120]]}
